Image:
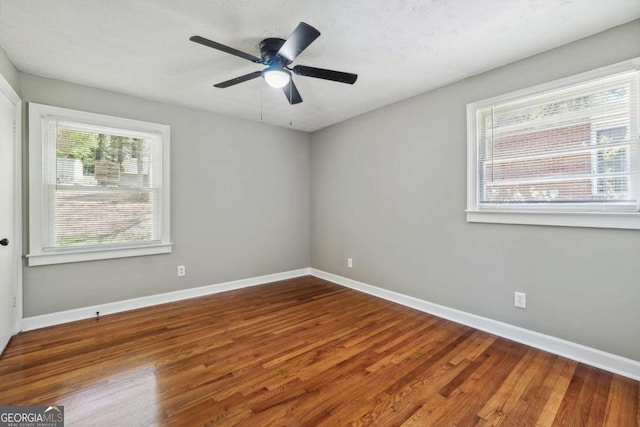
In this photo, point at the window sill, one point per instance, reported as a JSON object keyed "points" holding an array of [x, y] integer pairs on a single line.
{"points": [[36, 259], [623, 220]]}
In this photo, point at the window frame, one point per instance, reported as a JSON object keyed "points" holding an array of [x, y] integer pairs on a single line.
{"points": [[583, 215], [38, 208]]}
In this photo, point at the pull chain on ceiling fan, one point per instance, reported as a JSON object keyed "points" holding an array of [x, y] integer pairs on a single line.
{"points": [[277, 54]]}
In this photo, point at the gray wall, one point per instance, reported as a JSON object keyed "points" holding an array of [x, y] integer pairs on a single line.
{"points": [[389, 190], [239, 204], [8, 70]]}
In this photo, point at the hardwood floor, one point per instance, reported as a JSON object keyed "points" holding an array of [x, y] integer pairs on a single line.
{"points": [[302, 352]]}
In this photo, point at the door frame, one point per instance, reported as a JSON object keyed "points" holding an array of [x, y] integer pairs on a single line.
{"points": [[13, 96]]}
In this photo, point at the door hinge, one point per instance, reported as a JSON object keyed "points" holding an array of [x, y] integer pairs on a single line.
{"points": [[15, 302]]}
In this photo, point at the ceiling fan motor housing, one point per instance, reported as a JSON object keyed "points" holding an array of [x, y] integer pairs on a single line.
{"points": [[269, 52]]}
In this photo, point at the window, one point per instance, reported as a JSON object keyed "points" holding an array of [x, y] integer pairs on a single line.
{"points": [[564, 153], [612, 165], [98, 186]]}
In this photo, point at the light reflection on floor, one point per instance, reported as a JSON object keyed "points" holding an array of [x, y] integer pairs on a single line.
{"points": [[125, 399]]}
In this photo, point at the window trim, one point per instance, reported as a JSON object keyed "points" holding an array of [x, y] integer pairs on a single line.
{"points": [[37, 214], [586, 215]]}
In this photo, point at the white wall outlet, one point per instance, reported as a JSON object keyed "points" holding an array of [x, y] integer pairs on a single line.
{"points": [[182, 271], [520, 299], [349, 262]]}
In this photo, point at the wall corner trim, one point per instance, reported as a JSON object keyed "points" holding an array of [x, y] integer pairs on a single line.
{"points": [[578, 352], [42, 321]]}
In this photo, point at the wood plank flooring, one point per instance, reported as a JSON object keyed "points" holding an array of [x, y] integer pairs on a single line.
{"points": [[302, 352]]}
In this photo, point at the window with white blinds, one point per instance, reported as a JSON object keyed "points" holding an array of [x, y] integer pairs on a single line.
{"points": [[565, 153], [98, 186]]}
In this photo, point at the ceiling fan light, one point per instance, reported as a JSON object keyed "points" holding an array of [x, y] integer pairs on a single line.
{"points": [[276, 77]]}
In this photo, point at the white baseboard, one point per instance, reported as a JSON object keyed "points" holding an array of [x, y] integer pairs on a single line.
{"points": [[57, 318], [578, 352]]}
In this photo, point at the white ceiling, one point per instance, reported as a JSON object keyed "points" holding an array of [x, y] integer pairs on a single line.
{"points": [[398, 48]]}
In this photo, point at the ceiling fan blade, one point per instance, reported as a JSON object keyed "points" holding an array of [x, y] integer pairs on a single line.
{"points": [[227, 49], [321, 73], [292, 94], [302, 36], [240, 79]]}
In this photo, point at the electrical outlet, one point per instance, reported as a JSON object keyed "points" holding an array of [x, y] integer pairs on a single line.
{"points": [[349, 262], [520, 299], [181, 271]]}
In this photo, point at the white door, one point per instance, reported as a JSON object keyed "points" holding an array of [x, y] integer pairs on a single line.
{"points": [[7, 223]]}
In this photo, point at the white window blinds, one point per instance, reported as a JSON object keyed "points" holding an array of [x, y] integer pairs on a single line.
{"points": [[101, 185], [574, 148]]}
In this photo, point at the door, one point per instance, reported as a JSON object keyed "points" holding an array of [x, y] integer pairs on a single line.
{"points": [[8, 262]]}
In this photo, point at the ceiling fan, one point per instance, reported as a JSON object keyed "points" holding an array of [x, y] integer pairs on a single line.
{"points": [[277, 54]]}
